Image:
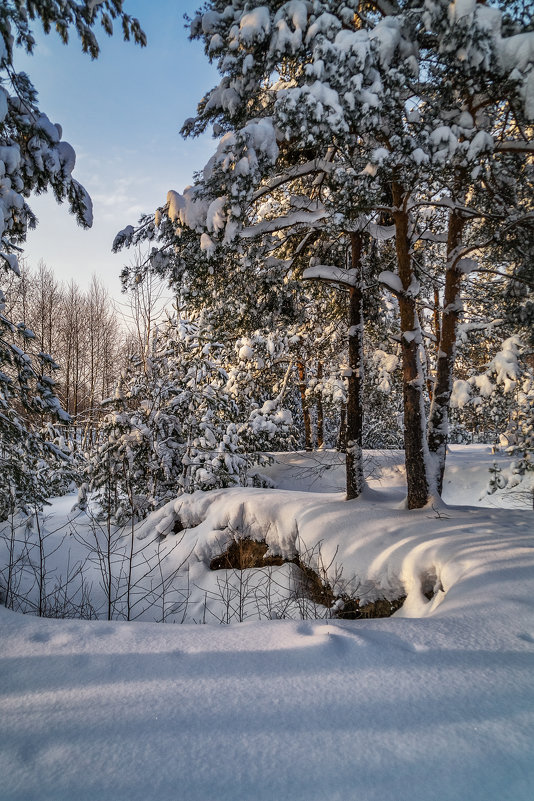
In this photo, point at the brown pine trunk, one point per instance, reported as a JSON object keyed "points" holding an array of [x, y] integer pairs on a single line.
{"points": [[437, 322], [415, 445], [354, 456], [342, 434], [305, 408], [320, 411], [437, 336], [438, 421]]}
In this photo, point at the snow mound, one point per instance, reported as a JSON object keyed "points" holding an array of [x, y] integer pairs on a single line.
{"points": [[440, 695]]}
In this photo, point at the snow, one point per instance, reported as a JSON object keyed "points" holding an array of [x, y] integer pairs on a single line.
{"points": [[461, 8], [188, 209], [386, 364], [207, 245], [419, 156], [209, 21], [285, 221], [175, 204], [42, 123], [481, 142], [466, 266], [381, 232], [12, 262], [67, 157], [3, 95], [246, 352], [325, 24], [328, 272], [387, 36], [290, 21], [10, 156], [444, 139], [391, 281], [515, 53], [255, 26], [461, 394], [123, 237], [439, 696], [484, 385], [216, 219]]}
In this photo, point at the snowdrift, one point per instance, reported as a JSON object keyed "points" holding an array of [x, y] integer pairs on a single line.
{"points": [[434, 702]]}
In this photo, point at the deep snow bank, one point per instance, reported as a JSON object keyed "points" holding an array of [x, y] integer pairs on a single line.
{"points": [[438, 704]]}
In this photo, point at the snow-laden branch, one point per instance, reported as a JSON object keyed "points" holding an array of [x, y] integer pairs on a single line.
{"points": [[300, 217], [430, 236], [381, 232], [317, 165], [328, 272], [511, 146]]}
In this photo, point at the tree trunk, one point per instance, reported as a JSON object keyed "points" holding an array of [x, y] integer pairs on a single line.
{"points": [[342, 434], [437, 335], [305, 408], [415, 445], [320, 411], [354, 456], [438, 421]]}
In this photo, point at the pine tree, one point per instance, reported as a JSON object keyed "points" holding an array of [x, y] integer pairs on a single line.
{"points": [[26, 391], [34, 158], [356, 121], [184, 417]]}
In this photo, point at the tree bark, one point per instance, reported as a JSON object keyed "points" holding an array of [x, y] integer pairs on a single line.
{"points": [[308, 445], [437, 334], [438, 421], [320, 411], [415, 445], [342, 434], [354, 456]]}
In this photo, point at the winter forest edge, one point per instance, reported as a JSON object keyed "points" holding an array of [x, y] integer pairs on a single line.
{"points": [[352, 269], [312, 408]]}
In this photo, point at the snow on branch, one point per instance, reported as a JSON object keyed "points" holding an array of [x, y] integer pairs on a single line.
{"points": [[300, 217], [327, 272], [510, 146], [381, 232], [12, 262], [391, 281], [317, 165]]}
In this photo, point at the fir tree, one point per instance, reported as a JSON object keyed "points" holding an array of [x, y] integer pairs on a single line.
{"points": [[358, 121], [183, 419], [34, 158]]}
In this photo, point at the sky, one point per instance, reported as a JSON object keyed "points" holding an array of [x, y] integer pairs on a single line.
{"points": [[122, 114]]}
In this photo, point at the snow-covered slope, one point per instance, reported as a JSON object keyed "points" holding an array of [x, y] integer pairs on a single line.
{"points": [[436, 702]]}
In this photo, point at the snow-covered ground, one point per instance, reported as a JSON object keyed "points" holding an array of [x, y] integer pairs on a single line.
{"points": [[436, 702]]}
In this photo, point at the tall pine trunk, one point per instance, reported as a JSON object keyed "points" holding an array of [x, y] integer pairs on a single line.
{"points": [[320, 411], [308, 445], [354, 424], [341, 444], [438, 421], [415, 444]]}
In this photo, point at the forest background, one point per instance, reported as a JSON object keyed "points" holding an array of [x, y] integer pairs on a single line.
{"points": [[347, 266]]}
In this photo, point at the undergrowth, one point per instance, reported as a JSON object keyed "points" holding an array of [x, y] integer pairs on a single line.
{"points": [[339, 597]]}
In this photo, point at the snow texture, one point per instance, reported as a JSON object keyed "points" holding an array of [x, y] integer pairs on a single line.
{"points": [[392, 281], [439, 696], [327, 272]]}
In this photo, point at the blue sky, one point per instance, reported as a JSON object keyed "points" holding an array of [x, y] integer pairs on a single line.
{"points": [[122, 113]]}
